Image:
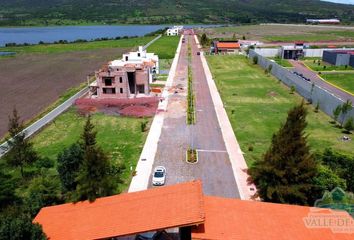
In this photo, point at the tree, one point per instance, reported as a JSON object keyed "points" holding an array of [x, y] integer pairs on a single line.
{"points": [[349, 125], [21, 151], [327, 180], [255, 60], [317, 108], [287, 170], [336, 112], [341, 164], [69, 162], [7, 189], [93, 179], [43, 191], [204, 40], [346, 107], [19, 228]]}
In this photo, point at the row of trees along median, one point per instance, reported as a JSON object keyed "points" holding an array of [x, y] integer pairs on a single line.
{"points": [[190, 96]]}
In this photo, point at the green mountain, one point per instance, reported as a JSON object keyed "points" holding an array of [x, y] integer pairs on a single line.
{"points": [[64, 12]]}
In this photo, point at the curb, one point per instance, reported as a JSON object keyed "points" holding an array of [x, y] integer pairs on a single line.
{"points": [[146, 160], [327, 81], [233, 149]]}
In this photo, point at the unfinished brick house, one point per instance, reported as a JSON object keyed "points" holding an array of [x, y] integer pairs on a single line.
{"points": [[126, 78]]}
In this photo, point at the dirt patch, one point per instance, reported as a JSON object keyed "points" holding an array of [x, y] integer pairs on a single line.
{"points": [[137, 107], [272, 94], [31, 82]]}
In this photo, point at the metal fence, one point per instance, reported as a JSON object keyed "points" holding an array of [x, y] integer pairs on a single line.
{"points": [[311, 92]]}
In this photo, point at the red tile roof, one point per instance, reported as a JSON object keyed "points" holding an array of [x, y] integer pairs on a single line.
{"points": [[125, 214], [228, 45], [239, 220]]}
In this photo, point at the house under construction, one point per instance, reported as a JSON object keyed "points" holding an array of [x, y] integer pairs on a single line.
{"points": [[126, 78]]}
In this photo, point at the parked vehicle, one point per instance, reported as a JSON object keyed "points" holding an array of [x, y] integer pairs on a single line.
{"points": [[198, 53], [159, 176], [302, 76]]}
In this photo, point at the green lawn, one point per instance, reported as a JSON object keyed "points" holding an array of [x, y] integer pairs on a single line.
{"points": [[165, 64], [60, 48], [342, 80], [257, 104], [313, 36], [282, 62], [325, 66], [162, 77], [165, 47], [281, 33], [120, 137]]}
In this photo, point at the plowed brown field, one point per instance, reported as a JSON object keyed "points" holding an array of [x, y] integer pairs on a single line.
{"points": [[31, 82]]}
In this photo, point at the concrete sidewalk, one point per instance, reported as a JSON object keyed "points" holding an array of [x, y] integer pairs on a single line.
{"points": [[237, 160], [144, 167]]}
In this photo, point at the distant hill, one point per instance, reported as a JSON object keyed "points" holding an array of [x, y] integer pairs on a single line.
{"points": [[67, 12]]}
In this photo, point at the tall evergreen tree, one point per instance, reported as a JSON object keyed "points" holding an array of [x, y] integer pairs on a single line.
{"points": [[94, 179], [287, 170], [69, 162], [21, 151], [7, 189]]}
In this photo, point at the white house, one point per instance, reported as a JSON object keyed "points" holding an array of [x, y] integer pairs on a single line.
{"points": [[143, 57], [174, 31]]}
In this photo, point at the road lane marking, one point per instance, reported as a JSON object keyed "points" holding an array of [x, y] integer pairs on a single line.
{"points": [[212, 151]]}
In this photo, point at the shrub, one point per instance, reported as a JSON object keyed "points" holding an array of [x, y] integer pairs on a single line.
{"points": [[317, 107], [349, 125], [292, 89], [255, 60]]}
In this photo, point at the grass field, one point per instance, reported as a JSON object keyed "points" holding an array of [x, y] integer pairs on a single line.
{"points": [[312, 36], [257, 104], [342, 80], [71, 47], [165, 63], [325, 66], [282, 62], [165, 47], [282, 33], [120, 137]]}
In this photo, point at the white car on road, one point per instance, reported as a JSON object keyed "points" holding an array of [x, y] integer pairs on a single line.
{"points": [[159, 176]]}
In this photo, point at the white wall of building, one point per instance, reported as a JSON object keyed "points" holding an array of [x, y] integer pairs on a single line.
{"points": [[268, 52]]}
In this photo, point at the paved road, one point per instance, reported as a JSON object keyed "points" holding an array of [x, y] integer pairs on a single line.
{"points": [[214, 167], [301, 68]]}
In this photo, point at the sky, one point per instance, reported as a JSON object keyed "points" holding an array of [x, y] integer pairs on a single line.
{"points": [[341, 1]]}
